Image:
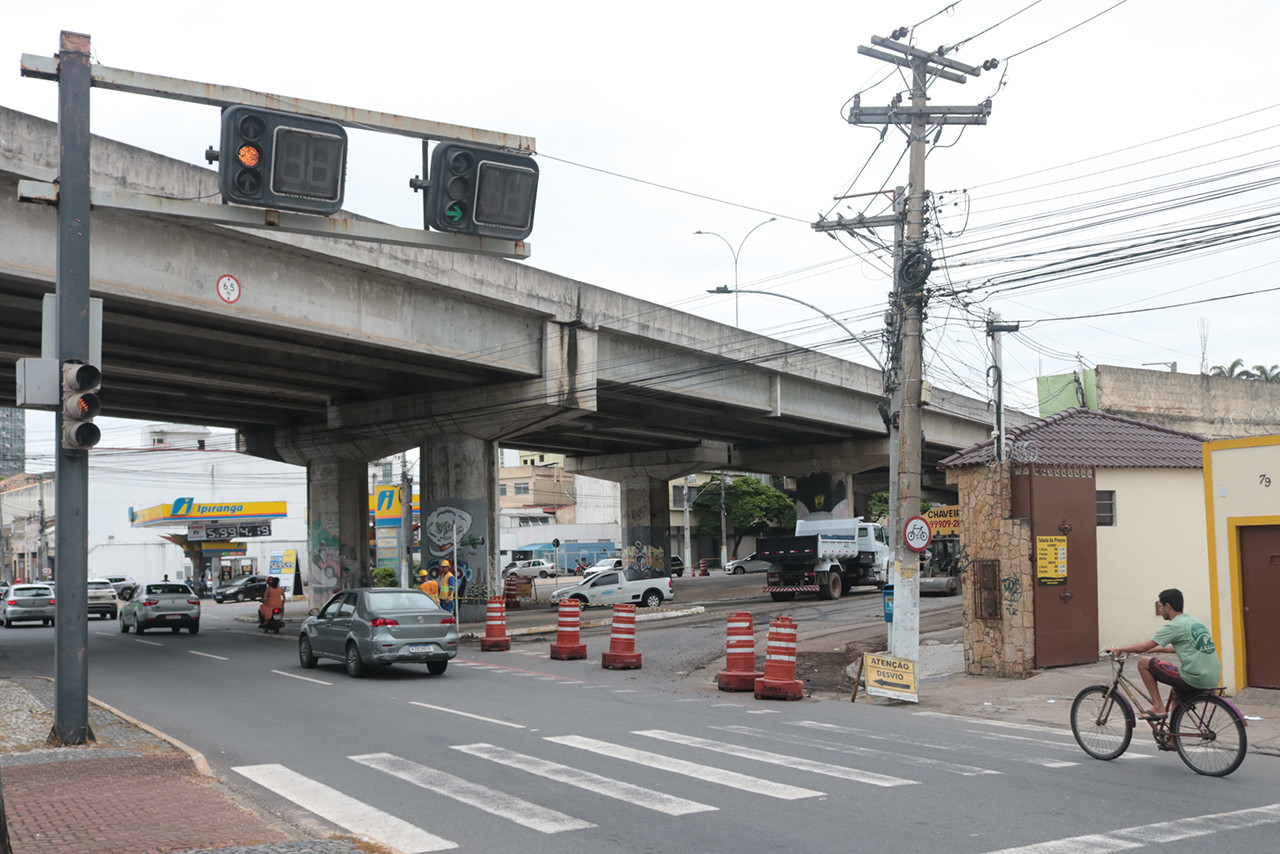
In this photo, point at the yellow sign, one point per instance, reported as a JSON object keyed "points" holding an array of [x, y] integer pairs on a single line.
{"points": [[890, 677], [944, 521], [187, 511], [1051, 560]]}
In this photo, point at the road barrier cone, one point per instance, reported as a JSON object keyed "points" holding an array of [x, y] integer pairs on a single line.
{"points": [[622, 653], [779, 681], [568, 646], [509, 594], [740, 672], [495, 627]]}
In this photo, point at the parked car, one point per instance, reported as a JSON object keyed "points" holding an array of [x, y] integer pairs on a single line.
{"points": [[123, 584], [379, 625], [751, 563], [529, 569], [675, 565], [25, 603], [612, 586], [248, 587], [102, 598], [162, 605]]}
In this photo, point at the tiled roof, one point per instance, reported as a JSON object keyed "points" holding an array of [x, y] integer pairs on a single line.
{"points": [[1083, 437]]}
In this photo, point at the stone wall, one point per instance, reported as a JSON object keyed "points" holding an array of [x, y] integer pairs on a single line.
{"points": [[1004, 646], [1214, 407]]}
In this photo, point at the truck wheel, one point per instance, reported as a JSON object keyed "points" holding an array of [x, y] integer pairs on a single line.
{"points": [[835, 586], [651, 599], [782, 595]]}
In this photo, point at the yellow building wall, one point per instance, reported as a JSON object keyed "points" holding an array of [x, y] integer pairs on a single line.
{"points": [[1154, 545], [1241, 488]]}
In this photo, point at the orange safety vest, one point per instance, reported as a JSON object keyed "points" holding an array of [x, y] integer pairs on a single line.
{"points": [[431, 587]]}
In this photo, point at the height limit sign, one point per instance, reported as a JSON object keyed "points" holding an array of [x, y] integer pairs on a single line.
{"points": [[916, 534]]}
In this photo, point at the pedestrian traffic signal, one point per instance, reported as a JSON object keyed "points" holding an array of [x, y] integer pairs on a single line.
{"points": [[281, 161], [482, 191], [80, 404]]}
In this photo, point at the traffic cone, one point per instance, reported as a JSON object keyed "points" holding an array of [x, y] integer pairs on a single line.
{"points": [[568, 646], [740, 672], [509, 594], [779, 681], [622, 653], [495, 627]]}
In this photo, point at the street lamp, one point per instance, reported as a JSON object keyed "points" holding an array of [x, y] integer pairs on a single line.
{"points": [[736, 253]]}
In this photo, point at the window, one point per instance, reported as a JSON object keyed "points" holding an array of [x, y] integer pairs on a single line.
{"points": [[1106, 508], [502, 489], [988, 589], [522, 489]]}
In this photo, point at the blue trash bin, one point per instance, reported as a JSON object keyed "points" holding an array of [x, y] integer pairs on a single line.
{"points": [[888, 603]]}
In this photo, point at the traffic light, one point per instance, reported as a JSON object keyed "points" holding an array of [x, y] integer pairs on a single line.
{"points": [[80, 404], [482, 191], [281, 161]]}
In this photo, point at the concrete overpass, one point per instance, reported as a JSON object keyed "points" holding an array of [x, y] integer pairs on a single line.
{"points": [[339, 352]]}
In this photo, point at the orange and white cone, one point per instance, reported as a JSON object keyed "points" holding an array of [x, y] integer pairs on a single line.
{"points": [[568, 645], [509, 594], [740, 672], [779, 681], [495, 627], [622, 653]]}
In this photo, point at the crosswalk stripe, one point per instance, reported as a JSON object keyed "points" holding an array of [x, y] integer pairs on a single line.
{"points": [[929, 745], [344, 811], [853, 750], [688, 769], [635, 795], [841, 771], [492, 801], [1154, 834]]}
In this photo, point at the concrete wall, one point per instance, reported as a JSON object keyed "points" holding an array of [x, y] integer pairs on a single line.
{"points": [[1237, 494], [1214, 407], [1155, 544]]}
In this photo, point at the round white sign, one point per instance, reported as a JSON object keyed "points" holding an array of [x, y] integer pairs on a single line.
{"points": [[916, 534], [228, 288]]}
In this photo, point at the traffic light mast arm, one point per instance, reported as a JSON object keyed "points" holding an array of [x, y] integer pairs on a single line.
{"points": [[140, 83]]}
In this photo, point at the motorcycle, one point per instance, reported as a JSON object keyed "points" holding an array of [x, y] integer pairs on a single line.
{"points": [[273, 623]]}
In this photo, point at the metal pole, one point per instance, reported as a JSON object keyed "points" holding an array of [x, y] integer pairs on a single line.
{"points": [[406, 521], [688, 553], [71, 660], [724, 539]]}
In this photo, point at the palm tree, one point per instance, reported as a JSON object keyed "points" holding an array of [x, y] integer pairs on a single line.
{"points": [[1235, 370], [1267, 375]]}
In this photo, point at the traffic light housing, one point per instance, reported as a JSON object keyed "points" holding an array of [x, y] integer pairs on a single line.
{"points": [[282, 161], [80, 403], [483, 191]]}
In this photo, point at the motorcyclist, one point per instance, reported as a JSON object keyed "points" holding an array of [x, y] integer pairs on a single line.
{"points": [[273, 598]]}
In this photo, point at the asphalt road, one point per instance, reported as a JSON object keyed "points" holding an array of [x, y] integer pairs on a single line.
{"points": [[514, 752]]}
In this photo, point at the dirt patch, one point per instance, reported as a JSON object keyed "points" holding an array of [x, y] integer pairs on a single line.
{"points": [[826, 672]]}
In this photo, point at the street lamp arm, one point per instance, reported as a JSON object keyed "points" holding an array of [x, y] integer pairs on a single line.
{"points": [[724, 289], [748, 234], [726, 242]]}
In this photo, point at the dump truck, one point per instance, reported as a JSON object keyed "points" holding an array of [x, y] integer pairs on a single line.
{"points": [[826, 557]]}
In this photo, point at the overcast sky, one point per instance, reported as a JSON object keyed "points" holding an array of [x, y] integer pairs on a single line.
{"points": [[1134, 151]]}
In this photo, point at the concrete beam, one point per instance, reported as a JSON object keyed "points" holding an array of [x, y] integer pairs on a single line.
{"points": [[662, 465]]}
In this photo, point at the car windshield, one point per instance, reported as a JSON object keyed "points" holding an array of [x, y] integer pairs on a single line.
{"points": [[401, 600], [169, 589], [607, 563]]}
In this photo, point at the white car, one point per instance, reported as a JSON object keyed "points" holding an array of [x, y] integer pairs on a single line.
{"points": [[102, 598], [530, 569], [751, 563], [613, 587]]}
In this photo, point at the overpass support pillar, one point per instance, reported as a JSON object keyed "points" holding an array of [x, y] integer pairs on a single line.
{"points": [[646, 513], [458, 509], [337, 527]]}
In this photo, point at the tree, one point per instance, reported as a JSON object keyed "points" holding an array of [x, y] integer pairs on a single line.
{"points": [[1267, 375], [878, 505], [751, 507], [1235, 370]]}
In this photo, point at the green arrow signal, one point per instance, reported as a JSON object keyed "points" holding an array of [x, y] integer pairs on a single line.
{"points": [[453, 213]]}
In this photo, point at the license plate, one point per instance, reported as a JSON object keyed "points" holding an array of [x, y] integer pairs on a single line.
{"points": [[173, 616], [419, 647]]}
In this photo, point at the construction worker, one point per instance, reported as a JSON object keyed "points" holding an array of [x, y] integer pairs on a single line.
{"points": [[429, 585], [447, 587]]}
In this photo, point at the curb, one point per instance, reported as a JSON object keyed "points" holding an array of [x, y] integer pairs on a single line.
{"points": [[197, 758]]}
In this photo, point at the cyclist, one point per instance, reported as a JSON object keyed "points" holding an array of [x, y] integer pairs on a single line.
{"points": [[1188, 638]]}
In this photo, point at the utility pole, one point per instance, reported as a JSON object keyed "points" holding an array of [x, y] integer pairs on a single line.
{"points": [[406, 521], [724, 537], [913, 264], [995, 329], [689, 481]]}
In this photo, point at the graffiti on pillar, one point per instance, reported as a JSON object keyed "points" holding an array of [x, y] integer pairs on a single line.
{"points": [[818, 495], [1012, 586], [641, 557], [455, 530]]}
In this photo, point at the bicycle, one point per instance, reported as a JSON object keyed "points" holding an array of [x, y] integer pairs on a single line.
{"points": [[1206, 730]]}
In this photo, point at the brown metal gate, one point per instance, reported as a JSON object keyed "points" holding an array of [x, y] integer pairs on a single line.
{"points": [[1260, 601], [1062, 504]]}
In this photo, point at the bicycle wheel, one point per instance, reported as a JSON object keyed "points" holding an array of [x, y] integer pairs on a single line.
{"points": [[1209, 735], [1102, 722]]}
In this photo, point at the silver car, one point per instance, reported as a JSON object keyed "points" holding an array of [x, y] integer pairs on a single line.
{"points": [[162, 605], [379, 625], [751, 563], [102, 598], [25, 603]]}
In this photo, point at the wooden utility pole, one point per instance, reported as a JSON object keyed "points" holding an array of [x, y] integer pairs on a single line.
{"points": [[910, 297]]}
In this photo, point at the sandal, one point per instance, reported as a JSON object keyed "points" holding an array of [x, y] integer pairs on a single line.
{"points": [[1151, 717]]}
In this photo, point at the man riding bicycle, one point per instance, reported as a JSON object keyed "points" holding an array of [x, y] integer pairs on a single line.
{"points": [[1188, 638]]}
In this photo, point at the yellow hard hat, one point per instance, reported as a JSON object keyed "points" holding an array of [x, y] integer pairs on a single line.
{"points": [[444, 564], [422, 573]]}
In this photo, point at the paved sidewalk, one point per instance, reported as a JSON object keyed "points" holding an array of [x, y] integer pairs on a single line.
{"points": [[130, 792]]}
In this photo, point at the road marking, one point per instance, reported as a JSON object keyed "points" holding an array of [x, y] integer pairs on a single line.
{"points": [[466, 714], [344, 811], [208, 655], [689, 769], [303, 678], [1001, 724], [149, 643], [492, 801], [904, 758], [841, 771], [1153, 834], [626, 792]]}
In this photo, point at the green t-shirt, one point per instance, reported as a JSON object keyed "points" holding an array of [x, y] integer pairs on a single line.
{"points": [[1192, 642]]}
